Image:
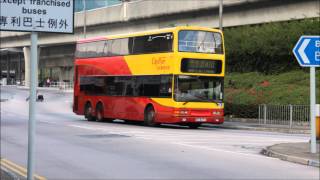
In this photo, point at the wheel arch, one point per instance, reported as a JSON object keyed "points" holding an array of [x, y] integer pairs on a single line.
{"points": [[99, 102], [149, 105], [88, 101]]}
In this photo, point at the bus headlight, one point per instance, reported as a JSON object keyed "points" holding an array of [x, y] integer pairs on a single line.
{"points": [[217, 113], [181, 112]]}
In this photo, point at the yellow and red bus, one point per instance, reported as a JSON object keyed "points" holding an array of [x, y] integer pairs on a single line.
{"points": [[172, 75]]}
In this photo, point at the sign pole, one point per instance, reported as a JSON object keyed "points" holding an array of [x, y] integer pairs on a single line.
{"points": [[313, 146], [32, 102]]}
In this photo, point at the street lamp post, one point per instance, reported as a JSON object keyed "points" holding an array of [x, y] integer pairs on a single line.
{"points": [[84, 18], [220, 14]]}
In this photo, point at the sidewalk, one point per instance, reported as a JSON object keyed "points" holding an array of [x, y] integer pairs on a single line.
{"points": [[294, 152], [257, 127]]}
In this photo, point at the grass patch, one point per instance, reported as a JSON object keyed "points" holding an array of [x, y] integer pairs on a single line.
{"points": [[255, 88]]}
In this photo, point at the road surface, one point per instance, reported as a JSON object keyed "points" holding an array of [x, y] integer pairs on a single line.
{"points": [[68, 147]]}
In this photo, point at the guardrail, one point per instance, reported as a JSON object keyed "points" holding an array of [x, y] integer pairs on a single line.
{"points": [[290, 115], [61, 85]]}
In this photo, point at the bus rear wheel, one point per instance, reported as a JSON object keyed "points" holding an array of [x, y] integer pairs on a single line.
{"points": [[88, 112], [99, 112], [149, 117], [194, 125]]}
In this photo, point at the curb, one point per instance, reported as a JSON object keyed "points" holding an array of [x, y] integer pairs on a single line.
{"points": [[310, 162], [271, 129]]}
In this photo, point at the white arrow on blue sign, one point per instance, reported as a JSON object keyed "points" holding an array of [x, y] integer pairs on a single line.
{"points": [[307, 51]]}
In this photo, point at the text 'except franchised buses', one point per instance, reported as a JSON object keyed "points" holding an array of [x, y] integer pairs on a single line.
{"points": [[57, 3]]}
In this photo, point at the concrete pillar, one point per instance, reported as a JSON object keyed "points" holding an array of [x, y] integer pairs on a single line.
{"points": [[37, 74], [50, 73], [125, 9], [20, 68], [61, 74], [8, 69], [26, 52]]}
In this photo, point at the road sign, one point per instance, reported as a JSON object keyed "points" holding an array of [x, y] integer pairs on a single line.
{"points": [[307, 51], [37, 15]]}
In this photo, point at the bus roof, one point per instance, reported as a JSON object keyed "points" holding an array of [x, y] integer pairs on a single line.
{"points": [[164, 30]]}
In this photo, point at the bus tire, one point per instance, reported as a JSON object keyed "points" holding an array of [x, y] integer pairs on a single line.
{"points": [[88, 112], [194, 125], [150, 116], [99, 112]]}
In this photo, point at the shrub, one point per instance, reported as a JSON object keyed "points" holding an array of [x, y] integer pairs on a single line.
{"points": [[266, 48]]}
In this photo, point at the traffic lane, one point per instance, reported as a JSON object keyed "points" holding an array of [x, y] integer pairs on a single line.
{"points": [[79, 155], [57, 112], [233, 140], [72, 152], [75, 153]]}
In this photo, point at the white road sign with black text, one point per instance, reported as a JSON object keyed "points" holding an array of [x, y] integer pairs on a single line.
{"points": [[37, 15]]}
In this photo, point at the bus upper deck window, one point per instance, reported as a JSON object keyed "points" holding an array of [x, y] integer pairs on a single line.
{"points": [[200, 42]]}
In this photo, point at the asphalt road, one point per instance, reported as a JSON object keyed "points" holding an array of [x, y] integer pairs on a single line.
{"points": [[68, 147]]}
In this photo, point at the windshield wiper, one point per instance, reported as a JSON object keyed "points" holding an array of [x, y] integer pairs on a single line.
{"points": [[185, 103], [217, 103]]}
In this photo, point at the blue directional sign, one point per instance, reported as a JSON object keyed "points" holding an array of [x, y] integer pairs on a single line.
{"points": [[307, 51]]}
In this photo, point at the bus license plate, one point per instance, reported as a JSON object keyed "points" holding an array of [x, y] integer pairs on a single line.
{"points": [[201, 119]]}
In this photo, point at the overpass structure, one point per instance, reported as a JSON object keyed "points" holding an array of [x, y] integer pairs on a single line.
{"points": [[57, 50]]}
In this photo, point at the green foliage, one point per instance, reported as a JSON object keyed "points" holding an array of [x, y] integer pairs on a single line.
{"points": [[242, 110], [266, 48], [245, 91], [262, 69]]}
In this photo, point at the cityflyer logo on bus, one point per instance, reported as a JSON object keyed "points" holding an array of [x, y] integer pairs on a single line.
{"points": [[160, 63], [37, 15]]}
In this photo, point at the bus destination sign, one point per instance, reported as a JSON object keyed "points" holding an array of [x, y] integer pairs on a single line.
{"points": [[201, 66], [37, 15]]}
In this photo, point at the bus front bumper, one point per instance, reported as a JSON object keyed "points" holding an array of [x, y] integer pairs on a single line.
{"points": [[188, 119]]}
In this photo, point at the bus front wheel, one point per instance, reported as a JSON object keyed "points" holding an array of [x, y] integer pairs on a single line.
{"points": [[149, 116], [88, 112]]}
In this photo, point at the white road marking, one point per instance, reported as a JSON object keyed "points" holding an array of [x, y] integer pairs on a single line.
{"points": [[220, 150]]}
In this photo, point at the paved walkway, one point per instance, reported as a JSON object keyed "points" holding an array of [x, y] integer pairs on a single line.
{"points": [[294, 152]]}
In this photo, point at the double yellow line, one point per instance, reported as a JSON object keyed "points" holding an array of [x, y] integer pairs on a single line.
{"points": [[17, 169]]}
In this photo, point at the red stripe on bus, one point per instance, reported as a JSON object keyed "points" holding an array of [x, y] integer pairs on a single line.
{"points": [[109, 65]]}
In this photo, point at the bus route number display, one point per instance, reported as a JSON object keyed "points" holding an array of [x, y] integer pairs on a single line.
{"points": [[37, 15], [201, 66]]}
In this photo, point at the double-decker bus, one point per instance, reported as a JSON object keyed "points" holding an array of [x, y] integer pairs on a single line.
{"points": [[173, 75]]}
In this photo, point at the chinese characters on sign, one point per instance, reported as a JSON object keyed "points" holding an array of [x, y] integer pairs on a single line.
{"points": [[37, 15], [317, 52]]}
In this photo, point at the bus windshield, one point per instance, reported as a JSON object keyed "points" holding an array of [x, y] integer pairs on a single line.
{"points": [[198, 89], [200, 42]]}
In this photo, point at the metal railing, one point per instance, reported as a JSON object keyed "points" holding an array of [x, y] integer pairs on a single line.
{"points": [[290, 115], [62, 85]]}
